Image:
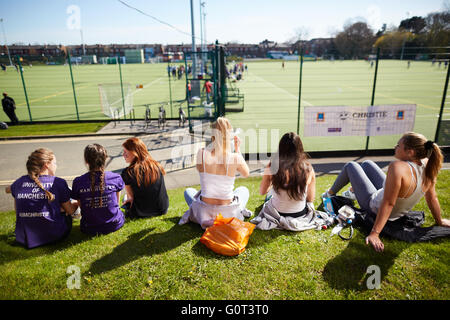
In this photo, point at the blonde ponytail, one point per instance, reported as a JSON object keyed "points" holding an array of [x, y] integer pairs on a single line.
{"points": [[424, 148], [35, 164], [222, 130]]}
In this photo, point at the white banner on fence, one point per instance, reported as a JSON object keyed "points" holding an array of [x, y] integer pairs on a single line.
{"points": [[359, 121]]}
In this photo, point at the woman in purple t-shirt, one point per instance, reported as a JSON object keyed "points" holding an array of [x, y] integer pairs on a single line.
{"points": [[97, 193], [39, 197]]}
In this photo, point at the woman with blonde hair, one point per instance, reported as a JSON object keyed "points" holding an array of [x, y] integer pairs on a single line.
{"points": [[391, 196], [39, 196], [144, 181], [217, 167]]}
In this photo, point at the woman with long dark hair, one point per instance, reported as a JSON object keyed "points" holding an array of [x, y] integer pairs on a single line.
{"points": [[292, 178], [144, 181], [97, 192]]}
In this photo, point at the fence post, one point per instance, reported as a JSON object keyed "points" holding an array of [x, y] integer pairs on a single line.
{"points": [[219, 89], [24, 87], [215, 64], [373, 91], [170, 91], [121, 87], [220, 111], [444, 95], [73, 86], [187, 97], [300, 90]]}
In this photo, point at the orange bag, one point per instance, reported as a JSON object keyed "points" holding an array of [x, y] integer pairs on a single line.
{"points": [[228, 236]]}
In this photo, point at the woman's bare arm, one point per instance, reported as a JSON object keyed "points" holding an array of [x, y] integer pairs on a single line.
{"points": [[392, 188], [434, 206], [266, 182], [70, 206], [311, 194]]}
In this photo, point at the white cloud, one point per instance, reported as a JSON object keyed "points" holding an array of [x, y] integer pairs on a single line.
{"points": [[373, 16]]}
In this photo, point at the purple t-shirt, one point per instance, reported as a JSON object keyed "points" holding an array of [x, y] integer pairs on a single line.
{"points": [[39, 221], [96, 219]]}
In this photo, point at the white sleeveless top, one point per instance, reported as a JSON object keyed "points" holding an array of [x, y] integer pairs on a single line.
{"points": [[216, 186], [402, 205], [285, 204]]}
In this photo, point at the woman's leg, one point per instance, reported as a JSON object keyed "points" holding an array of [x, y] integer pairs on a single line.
{"points": [[362, 186], [374, 173], [243, 194], [189, 194]]}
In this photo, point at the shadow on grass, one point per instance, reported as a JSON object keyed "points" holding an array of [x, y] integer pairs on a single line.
{"points": [[257, 239], [348, 270], [11, 250], [144, 243]]}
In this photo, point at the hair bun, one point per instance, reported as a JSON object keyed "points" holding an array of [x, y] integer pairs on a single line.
{"points": [[428, 145]]}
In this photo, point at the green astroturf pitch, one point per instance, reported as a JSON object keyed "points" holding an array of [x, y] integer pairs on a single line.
{"points": [[51, 97], [271, 95]]}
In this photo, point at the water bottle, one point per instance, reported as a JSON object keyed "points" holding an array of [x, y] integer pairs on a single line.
{"points": [[235, 133]]}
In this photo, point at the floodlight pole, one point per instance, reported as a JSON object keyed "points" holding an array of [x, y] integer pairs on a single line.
{"points": [[204, 42], [201, 23], [204, 27], [82, 42], [6, 45], [194, 57], [201, 36]]}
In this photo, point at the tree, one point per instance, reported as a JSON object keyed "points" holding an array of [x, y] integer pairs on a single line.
{"points": [[299, 34], [299, 39], [355, 41], [414, 25], [438, 29], [392, 42]]}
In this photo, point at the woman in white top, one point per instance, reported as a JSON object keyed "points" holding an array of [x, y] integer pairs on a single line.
{"points": [[391, 196], [217, 167], [292, 178]]}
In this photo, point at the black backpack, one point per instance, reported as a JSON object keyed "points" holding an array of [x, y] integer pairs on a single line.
{"points": [[338, 202]]}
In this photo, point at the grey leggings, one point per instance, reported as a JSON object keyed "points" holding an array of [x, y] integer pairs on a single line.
{"points": [[366, 178]]}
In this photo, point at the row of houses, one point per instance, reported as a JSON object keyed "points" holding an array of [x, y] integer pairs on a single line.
{"points": [[259, 50]]}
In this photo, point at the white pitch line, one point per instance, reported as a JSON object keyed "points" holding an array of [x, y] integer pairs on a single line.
{"points": [[284, 90], [151, 82], [137, 90]]}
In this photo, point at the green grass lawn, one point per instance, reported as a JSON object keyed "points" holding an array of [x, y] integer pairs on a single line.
{"points": [[51, 129], [158, 259]]}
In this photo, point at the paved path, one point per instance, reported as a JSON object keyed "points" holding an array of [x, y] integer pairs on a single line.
{"points": [[173, 147]]}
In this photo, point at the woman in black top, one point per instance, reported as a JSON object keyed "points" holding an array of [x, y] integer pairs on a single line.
{"points": [[144, 181]]}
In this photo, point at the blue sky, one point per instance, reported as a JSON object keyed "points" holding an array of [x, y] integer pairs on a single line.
{"points": [[245, 21]]}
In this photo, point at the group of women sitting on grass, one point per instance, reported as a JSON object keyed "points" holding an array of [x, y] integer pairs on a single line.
{"points": [[45, 204]]}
